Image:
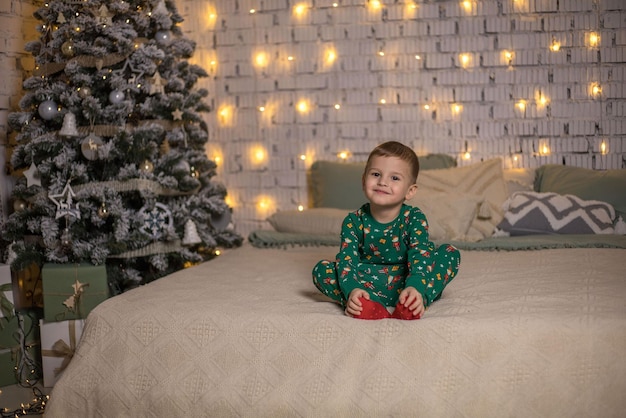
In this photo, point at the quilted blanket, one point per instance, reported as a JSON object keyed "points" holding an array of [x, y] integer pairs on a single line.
{"points": [[526, 333]]}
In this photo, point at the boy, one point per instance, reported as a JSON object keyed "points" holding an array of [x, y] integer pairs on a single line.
{"points": [[386, 258]]}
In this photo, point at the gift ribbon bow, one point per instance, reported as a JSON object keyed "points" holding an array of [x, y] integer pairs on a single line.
{"points": [[61, 349]]}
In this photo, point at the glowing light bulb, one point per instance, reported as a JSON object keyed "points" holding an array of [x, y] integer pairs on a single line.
{"points": [[426, 107], [375, 4], [521, 105], [594, 39], [543, 100], [465, 59], [290, 58], [331, 56], [300, 208], [467, 155], [303, 157], [252, 11], [604, 148], [596, 89], [335, 4], [259, 154], [337, 106], [261, 108], [544, 149], [343, 155], [381, 53], [555, 46], [302, 106], [456, 108], [261, 59], [299, 9], [217, 252], [467, 5], [383, 101], [417, 57]]}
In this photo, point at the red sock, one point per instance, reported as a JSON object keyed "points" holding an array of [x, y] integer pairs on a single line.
{"points": [[372, 310], [403, 312]]}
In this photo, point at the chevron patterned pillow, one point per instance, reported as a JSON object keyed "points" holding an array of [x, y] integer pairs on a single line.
{"points": [[529, 213]]}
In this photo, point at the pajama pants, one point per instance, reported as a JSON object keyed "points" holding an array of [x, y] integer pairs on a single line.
{"points": [[440, 269]]}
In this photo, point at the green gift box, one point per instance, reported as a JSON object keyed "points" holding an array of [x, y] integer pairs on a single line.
{"points": [[17, 366], [71, 291], [7, 307]]}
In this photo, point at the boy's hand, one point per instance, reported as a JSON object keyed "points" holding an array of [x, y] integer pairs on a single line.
{"points": [[412, 300], [354, 306]]}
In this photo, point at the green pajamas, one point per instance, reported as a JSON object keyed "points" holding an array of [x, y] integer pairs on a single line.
{"points": [[383, 259]]}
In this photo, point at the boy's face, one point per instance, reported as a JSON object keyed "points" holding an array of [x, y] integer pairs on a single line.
{"points": [[387, 182]]}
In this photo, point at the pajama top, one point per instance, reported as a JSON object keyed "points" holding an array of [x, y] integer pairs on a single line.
{"points": [[386, 258]]}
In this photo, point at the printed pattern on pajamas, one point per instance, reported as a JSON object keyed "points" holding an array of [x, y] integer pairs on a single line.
{"points": [[383, 259]]}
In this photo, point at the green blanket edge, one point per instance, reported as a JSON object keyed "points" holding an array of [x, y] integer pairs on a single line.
{"points": [[274, 239]]}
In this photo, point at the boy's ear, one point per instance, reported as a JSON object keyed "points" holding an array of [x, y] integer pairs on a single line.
{"points": [[411, 192]]}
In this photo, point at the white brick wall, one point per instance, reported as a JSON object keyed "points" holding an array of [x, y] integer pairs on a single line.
{"points": [[571, 123]]}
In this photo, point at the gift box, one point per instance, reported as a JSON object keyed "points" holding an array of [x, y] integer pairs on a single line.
{"points": [[20, 358], [58, 344], [71, 291], [7, 308]]}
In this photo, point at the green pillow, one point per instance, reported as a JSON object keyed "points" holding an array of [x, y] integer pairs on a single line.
{"points": [[606, 186], [334, 184]]}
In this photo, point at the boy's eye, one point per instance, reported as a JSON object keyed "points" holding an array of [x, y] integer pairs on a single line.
{"points": [[375, 174], [395, 178]]}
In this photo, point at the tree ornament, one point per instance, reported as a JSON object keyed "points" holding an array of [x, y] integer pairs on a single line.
{"points": [[165, 147], [220, 221], [157, 220], [67, 48], [146, 167], [191, 234], [69, 125], [160, 9], [84, 92], [177, 114], [32, 175], [116, 96], [61, 18], [66, 238], [182, 166], [163, 37], [47, 109], [103, 211], [90, 146], [157, 84], [104, 17], [19, 205], [64, 202]]}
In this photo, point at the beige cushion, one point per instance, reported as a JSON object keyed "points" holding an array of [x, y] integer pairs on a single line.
{"points": [[449, 216], [519, 179], [484, 180], [309, 221]]}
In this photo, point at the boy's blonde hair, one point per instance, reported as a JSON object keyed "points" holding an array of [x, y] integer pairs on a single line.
{"points": [[396, 149]]}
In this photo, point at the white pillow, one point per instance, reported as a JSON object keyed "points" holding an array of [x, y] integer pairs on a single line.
{"points": [[484, 179], [319, 221], [449, 216]]}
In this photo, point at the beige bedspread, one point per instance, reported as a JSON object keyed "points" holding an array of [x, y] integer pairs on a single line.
{"points": [[526, 333]]}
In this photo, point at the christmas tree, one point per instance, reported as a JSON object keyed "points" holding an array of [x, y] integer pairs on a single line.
{"points": [[110, 146]]}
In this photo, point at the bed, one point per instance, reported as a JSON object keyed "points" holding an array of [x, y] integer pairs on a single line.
{"points": [[533, 325]]}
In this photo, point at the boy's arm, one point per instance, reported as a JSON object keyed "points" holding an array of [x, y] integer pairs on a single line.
{"points": [[419, 255]]}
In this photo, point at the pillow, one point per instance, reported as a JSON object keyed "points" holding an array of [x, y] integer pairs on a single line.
{"points": [[519, 179], [334, 184], [484, 180], [449, 216], [320, 221], [606, 186], [531, 213]]}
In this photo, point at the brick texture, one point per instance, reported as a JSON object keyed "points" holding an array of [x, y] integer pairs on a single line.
{"points": [[389, 64]]}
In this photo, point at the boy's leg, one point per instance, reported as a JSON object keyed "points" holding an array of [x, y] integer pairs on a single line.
{"points": [[445, 266], [325, 279]]}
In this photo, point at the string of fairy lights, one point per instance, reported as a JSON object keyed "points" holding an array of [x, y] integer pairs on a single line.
{"points": [[537, 103]]}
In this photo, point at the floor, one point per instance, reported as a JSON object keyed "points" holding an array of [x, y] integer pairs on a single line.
{"points": [[12, 397]]}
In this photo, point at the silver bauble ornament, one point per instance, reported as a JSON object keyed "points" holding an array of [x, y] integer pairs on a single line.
{"points": [[103, 211], [116, 96], [19, 205], [163, 37], [48, 109], [146, 167]]}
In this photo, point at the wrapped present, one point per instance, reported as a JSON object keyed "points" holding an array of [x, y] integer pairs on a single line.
{"points": [[27, 289], [7, 308], [71, 291], [20, 358], [58, 343]]}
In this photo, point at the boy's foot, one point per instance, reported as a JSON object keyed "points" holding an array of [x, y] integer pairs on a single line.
{"points": [[403, 312], [372, 310]]}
